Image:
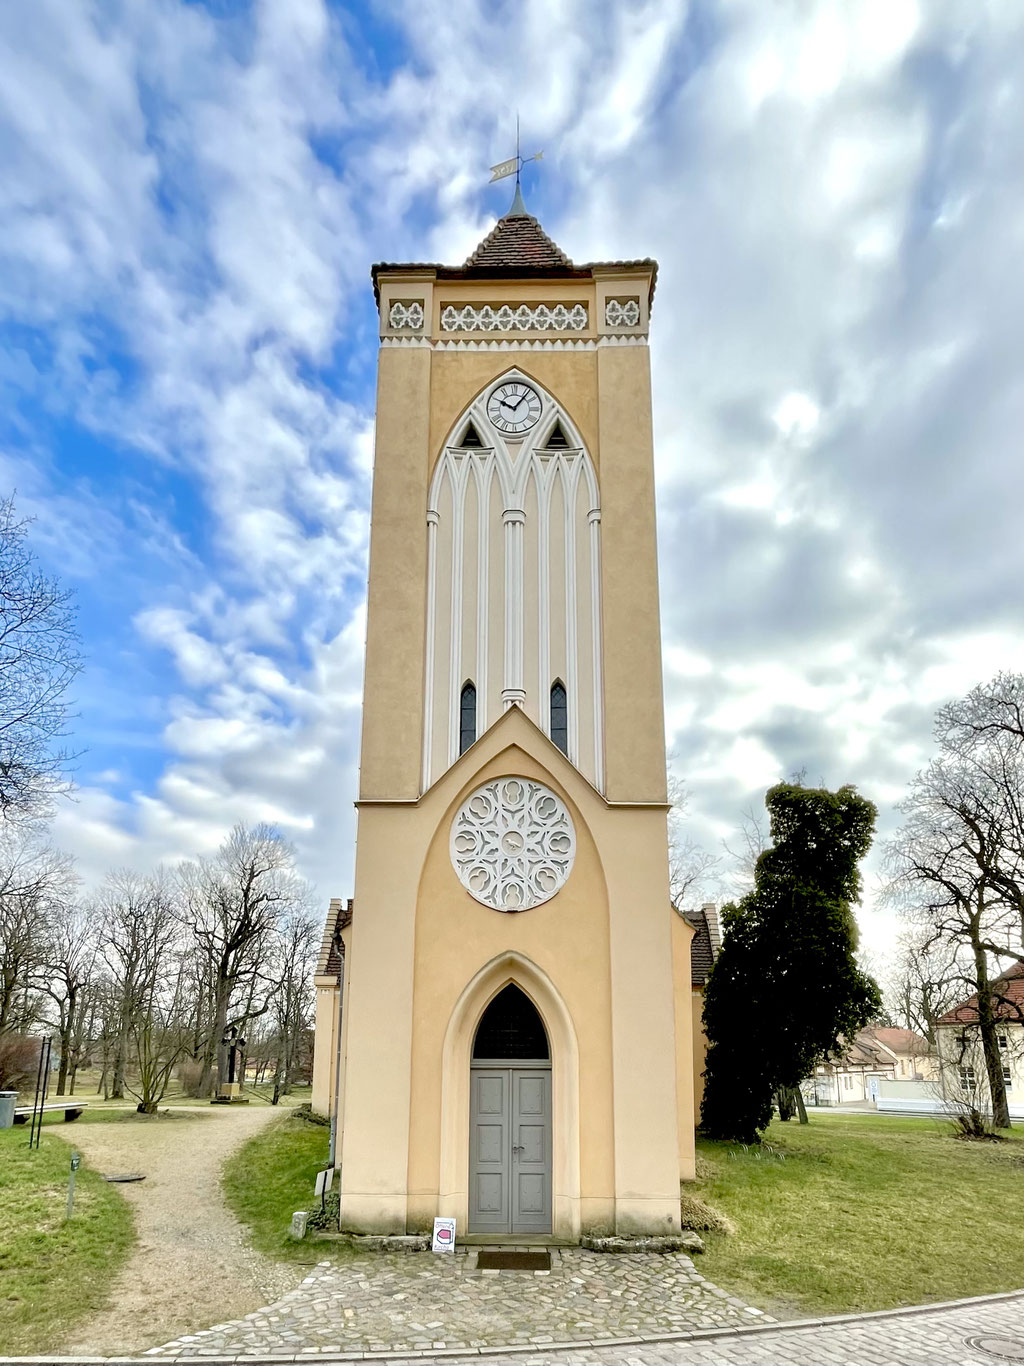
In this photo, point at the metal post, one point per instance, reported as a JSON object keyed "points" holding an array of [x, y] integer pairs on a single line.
{"points": [[39, 1099], [75, 1160], [46, 1088]]}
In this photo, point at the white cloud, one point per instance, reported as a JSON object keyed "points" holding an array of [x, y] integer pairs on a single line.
{"points": [[191, 202]]}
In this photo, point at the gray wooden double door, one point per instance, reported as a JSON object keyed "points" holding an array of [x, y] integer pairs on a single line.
{"points": [[510, 1150]]}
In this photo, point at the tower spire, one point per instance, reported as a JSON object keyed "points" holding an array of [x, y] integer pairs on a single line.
{"points": [[514, 166]]}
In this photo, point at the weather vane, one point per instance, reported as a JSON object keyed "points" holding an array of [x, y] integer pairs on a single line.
{"points": [[514, 165]]}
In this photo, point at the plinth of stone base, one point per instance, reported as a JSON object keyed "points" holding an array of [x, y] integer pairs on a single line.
{"points": [[229, 1093]]}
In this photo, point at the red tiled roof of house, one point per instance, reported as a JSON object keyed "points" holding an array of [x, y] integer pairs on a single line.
{"points": [[899, 1040], [1008, 990], [706, 942], [339, 917]]}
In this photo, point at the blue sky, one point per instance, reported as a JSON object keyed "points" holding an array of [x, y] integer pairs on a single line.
{"points": [[192, 196]]}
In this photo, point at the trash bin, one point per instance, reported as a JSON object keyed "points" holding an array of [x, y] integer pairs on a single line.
{"points": [[7, 1102]]}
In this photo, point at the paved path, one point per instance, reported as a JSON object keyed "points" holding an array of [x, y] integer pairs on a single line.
{"points": [[192, 1260], [985, 1332], [409, 1302]]}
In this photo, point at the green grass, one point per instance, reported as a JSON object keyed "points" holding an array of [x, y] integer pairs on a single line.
{"points": [[85, 1091], [858, 1212], [53, 1272], [271, 1177]]}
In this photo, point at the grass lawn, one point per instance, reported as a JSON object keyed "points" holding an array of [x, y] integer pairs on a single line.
{"points": [[271, 1177], [53, 1272], [85, 1091], [857, 1212]]}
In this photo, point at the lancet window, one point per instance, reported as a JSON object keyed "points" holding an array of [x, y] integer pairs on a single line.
{"points": [[467, 717]]}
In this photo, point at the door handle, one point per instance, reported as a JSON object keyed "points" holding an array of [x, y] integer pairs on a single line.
{"points": [[518, 1148]]}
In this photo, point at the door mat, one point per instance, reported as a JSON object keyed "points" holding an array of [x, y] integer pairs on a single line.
{"points": [[513, 1261]]}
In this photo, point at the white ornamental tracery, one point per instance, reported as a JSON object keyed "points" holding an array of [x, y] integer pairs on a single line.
{"points": [[513, 844], [406, 315], [542, 318], [622, 313]]}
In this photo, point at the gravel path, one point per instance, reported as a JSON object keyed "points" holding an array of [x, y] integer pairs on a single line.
{"points": [[192, 1266]]}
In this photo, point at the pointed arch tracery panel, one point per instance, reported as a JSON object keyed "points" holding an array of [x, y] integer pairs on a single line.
{"points": [[514, 583]]}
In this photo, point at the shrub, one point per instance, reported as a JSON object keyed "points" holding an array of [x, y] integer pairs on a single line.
{"points": [[703, 1218], [19, 1062], [327, 1217], [189, 1075]]}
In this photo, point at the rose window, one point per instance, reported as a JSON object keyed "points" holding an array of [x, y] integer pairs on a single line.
{"points": [[513, 844]]}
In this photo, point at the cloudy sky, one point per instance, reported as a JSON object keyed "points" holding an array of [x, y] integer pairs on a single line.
{"points": [[191, 196]]}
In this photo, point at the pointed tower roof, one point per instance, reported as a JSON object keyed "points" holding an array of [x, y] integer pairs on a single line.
{"points": [[516, 248], [516, 242]]}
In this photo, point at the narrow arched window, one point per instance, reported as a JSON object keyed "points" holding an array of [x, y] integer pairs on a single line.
{"points": [[559, 716], [467, 718]]}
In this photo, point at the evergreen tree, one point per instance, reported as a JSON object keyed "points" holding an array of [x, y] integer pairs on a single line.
{"points": [[786, 986]]}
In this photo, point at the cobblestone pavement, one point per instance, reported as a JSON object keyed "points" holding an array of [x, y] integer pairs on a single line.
{"points": [[414, 1302], [975, 1333]]}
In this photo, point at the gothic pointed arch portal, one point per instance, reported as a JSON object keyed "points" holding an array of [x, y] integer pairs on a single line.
{"points": [[514, 579], [538, 1190]]}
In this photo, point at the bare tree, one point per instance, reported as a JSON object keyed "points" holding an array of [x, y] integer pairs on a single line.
{"points": [[35, 881], [159, 1028], [67, 975], [138, 930], [984, 732], [232, 903], [928, 981], [752, 841], [292, 994], [39, 658], [692, 870], [941, 863]]}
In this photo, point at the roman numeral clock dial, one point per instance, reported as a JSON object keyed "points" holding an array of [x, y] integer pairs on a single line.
{"points": [[514, 407]]}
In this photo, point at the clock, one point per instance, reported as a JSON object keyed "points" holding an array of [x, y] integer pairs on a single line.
{"points": [[514, 407]]}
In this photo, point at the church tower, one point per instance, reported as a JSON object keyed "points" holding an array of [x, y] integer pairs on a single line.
{"points": [[516, 1045]]}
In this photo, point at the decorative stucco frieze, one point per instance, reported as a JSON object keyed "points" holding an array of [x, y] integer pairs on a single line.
{"points": [[622, 312], [406, 315], [540, 318], [513, 844]]}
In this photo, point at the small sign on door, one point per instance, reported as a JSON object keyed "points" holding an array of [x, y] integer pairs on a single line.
{"points": [[444, 1236]]}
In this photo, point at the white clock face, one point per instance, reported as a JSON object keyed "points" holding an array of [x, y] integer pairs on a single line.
{"points": [[514, 407]]}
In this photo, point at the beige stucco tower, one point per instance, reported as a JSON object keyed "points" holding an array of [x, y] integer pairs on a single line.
{"points": [[511, 1029]]}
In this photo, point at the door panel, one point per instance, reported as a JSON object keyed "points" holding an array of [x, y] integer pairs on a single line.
{"points": [[510, 1150], [531, 1151], [489, 1150]]}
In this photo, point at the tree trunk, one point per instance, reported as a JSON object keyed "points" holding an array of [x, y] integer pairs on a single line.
{"points": [[120, 1058], [64, 1033], [801, 1108], [990, 1044], [784, 1100], [214, 1049]]}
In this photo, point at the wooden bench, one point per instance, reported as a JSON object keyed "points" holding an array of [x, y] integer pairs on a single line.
{"points": [[72, 1109]]}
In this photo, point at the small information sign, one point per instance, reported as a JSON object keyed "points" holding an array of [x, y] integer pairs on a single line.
{"points": [[76, 1161], [444, 1236], [324, 1181]]}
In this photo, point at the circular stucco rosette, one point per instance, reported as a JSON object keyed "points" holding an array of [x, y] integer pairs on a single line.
{"points": [[513, 844]]}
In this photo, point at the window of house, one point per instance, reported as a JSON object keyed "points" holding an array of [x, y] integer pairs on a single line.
{"points": [[1003, 1042], [467, 718], [967, 1079], [1006, 1076], [560, 716], [847, 1082]]}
